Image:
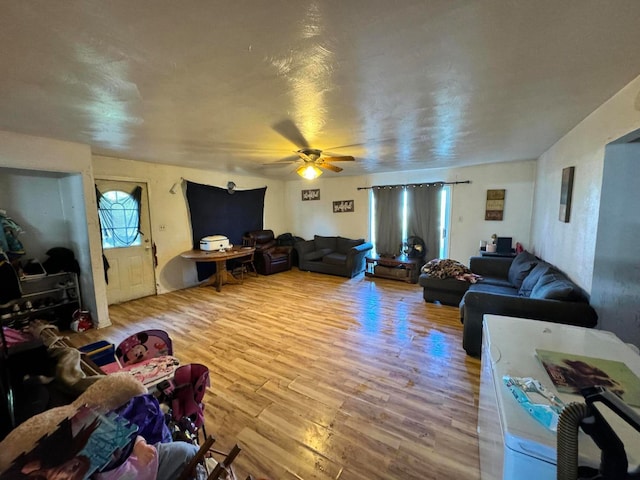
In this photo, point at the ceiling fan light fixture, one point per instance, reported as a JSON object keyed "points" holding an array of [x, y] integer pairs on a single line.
{"points": [[309, 171]]}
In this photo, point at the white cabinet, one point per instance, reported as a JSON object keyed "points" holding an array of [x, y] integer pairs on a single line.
{"points": [[512, 444], [48, 297]]}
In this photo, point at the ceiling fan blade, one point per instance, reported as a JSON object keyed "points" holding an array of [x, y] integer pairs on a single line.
{"points": [[344, 158], [278, 164], [288, 130], [283, 161], [289, 159], [328, 166]]}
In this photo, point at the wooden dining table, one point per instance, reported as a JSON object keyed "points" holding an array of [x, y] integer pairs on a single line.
{"points": [[220, 257]]}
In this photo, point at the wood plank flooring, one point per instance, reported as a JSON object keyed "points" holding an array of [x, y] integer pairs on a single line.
{"points": [[322, 377]]}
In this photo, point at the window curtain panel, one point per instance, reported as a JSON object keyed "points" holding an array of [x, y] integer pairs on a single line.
{"points": [[423, 216], [215, 211], [107, 222], [388, 220]]}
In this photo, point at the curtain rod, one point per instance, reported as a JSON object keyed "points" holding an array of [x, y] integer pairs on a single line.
{"points": [[425, 184]]}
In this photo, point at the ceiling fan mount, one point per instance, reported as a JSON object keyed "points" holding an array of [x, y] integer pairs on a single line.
{"points": [[309, 154]]}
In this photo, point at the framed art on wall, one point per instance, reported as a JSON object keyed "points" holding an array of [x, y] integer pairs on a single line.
{"points": [[342, 206], [495, 204], [311, 194]]}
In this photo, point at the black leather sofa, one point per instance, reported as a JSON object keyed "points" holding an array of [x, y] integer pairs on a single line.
{"points": [[524, 287], [333, 255]]}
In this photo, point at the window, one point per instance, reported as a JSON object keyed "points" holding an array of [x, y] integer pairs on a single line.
{"points": [[445, 221], [119, 219], [381, 213]]}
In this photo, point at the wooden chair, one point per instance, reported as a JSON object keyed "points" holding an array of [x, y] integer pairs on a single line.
{"points": [[143, 345], [246, 263], [222, 467]]}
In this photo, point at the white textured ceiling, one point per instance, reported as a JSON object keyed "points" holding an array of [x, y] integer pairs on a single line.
{"points": [[400, 85]]}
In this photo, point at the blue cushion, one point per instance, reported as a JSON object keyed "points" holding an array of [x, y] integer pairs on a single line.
{"points": [[497, 289], [520, 268], [530, 280], [554, 285], [495, 281]]}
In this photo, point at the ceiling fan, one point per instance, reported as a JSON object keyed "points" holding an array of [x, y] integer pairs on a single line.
{"points": [[313, 159]]}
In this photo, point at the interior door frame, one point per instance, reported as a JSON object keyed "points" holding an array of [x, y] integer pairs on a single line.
{"points": [[147, 183]]}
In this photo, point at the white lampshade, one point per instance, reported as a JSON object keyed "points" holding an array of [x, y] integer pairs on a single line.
{"points": [[309, 171]]}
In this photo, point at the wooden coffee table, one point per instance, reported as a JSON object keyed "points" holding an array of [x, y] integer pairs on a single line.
{"points": [[400, 267]]}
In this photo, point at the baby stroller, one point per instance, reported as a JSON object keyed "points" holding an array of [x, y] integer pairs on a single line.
{"points": [[184, 396]]}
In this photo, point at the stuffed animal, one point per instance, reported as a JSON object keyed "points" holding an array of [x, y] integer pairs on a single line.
{"points": [[106, 394]]}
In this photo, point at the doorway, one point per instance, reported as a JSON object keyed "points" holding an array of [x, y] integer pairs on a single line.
{"points": [[126, 240], [615, 284]]}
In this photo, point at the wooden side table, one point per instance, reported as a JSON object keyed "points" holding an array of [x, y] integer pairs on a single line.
{"points": [[220, 258], [400, 267]]}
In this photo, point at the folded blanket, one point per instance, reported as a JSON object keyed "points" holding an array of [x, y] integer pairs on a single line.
{"points": [[447, 268]]}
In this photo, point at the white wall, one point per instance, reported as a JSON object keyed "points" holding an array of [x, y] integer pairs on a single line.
{"points": [[74, 206], [468, 226], [316, 217], [615, 292], [571, 246], [34, 201], [170, 223], [42, 154]]}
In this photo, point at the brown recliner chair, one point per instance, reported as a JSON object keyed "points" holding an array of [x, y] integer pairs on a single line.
{"points": [[269, 257]]}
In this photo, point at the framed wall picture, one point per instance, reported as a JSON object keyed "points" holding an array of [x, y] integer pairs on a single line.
{"points": [[495, 205], [342, 206], [565, 194], [311, 194]]}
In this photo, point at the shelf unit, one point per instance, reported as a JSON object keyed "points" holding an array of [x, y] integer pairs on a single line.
{"points": [[50, 297], [53, 298]]}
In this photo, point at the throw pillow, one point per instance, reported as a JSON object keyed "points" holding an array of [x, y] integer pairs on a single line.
{"points": [[530, 280], [325, 242], [520, 268], [555, 286]]}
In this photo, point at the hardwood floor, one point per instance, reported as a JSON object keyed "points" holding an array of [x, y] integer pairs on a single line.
{"points": [[322, 377]]}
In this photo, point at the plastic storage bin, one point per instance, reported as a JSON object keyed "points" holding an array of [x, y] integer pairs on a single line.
{"points": [[102, 352]]}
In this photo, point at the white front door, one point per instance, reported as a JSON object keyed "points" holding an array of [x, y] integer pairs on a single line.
{"points": [[127, 248]]}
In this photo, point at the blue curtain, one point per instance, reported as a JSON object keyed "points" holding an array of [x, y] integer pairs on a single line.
{"points": [[215, 211]]}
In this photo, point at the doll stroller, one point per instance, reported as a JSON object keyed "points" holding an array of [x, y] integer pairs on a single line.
{"points": [[184, 396]]}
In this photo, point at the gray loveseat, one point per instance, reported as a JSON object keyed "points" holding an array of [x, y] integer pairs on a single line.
{"points": [[333, 255], [524, 287]]}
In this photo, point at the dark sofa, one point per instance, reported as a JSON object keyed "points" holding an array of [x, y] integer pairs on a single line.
{"points": [[524, 287], [333, 255]]}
